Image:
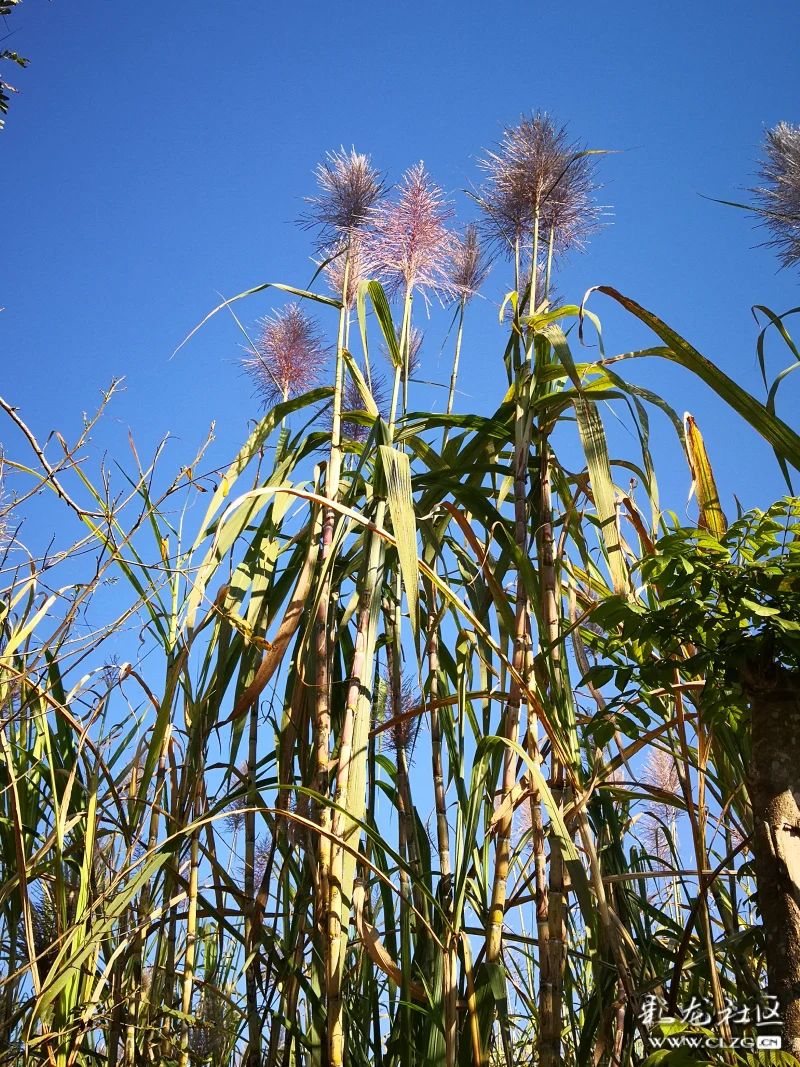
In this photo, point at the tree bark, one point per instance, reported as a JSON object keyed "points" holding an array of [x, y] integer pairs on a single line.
{"points": [[773, 693]]}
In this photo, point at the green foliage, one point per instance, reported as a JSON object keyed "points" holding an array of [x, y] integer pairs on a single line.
{"points": [[359, 792], [728, 601]]}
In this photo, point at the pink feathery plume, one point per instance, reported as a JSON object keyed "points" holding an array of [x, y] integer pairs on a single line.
{"points": [[352, 402], [409, 245], [403, 733], [777, 201], [660, 773], [288, 357]]}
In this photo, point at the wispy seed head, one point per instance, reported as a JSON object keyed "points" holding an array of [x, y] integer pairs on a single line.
{"points": [[288, 357], [409, 245], [349, 189], [777, 200], [537, 170], [661, 773], [470, 263], [352, 402], [403, 734]]}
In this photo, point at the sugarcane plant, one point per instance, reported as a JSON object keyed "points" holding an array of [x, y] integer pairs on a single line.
{"points": [[385, 760]]}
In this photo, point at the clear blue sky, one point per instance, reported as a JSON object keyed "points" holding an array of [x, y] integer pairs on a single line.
{"points": [[157, 152]]}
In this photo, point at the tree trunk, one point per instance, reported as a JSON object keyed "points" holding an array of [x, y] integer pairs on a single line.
{"points": [[773, 693]]}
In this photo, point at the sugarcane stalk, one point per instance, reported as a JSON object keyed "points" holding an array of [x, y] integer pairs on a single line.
{"points": [[191, 944], [405, 346], [253, 1021], [511, 715], [361, 670], [534, 266], [450, 959], [322, 636], [773, 693], [360, 673], [696, 821], [552, 990], [144, 902]]}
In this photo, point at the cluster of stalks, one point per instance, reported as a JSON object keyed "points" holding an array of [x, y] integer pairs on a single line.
{"points": [[337, 782]]}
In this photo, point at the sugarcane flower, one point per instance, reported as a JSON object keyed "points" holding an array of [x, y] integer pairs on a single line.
{"points": [[661, 774], [349, 189], [536, 171], [470, 265], [288, 356], [352, 401], [777, 200], [344, 256], [409, 245]]}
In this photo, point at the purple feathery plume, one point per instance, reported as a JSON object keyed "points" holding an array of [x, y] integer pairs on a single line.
{"points": [[661, 773], [349, 189], [537, 171], [288, 357], [408, 245], [402, 734], [470, 265], [777, 201], [352, 401]]}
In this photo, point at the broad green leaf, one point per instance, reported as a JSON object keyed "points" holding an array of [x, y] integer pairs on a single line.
{"points": [[595, 448], [401, 508], [781, 436]]}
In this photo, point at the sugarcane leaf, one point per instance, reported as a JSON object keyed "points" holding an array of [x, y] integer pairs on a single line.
{"points": [[361, 385], [774, 430], [401, 508], [712, 517], [383, 314], [595, 448]]}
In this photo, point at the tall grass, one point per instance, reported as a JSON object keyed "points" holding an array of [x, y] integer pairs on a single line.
{"points": [[360, 790]]}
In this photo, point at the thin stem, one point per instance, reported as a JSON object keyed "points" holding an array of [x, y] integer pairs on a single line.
{"points": [[454, 375]]}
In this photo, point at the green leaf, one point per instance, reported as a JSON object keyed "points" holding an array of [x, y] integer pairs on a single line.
{"points": [[401, 507], [774, 430], [595, 447], [758, 609], [361, 385], [384, 315]]}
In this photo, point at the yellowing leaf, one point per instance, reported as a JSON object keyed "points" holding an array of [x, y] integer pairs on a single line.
{"points": [[712, 517]]}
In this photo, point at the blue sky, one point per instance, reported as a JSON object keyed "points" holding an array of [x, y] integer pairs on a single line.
{"points": [[157, 154]]}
